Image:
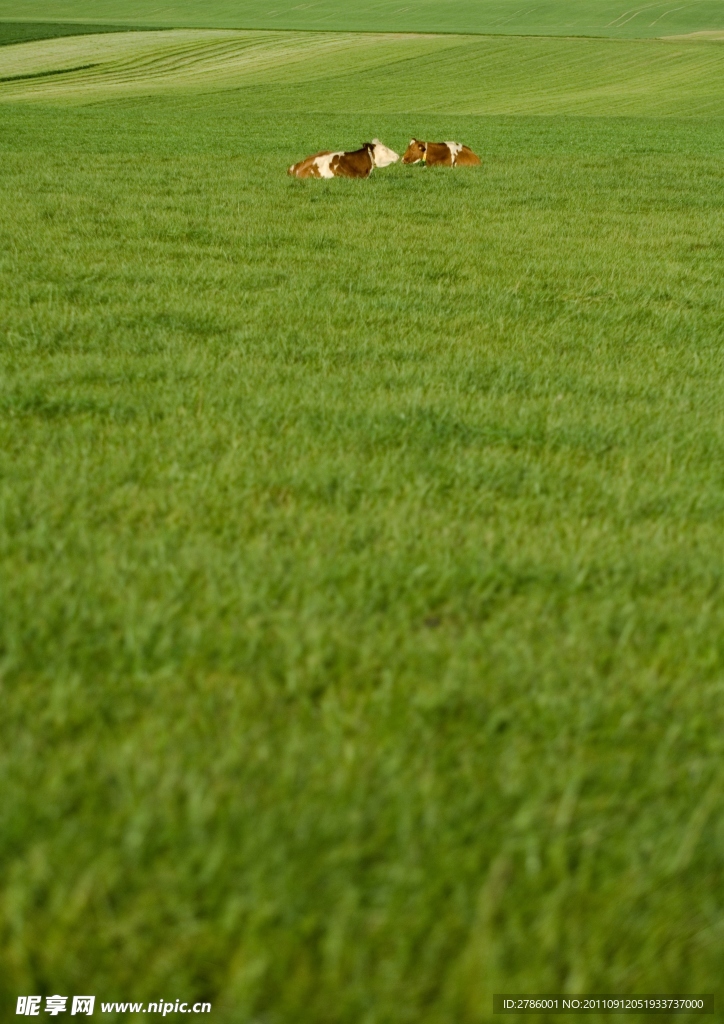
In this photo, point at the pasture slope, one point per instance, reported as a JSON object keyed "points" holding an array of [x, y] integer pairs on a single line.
{"points": [[361, 543], [27, 31], [377, 72], [615, 18]]}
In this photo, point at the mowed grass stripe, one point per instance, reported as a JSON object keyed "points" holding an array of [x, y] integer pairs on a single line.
{"points": [[385, 73], [222, 57], [49, 54], [615, 18]]}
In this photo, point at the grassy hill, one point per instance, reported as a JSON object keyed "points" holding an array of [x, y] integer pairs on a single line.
{"points": [[382, 73], [361, 542], [550, 17], [26, 31]]}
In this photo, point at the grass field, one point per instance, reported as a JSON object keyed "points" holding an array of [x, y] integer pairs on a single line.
{"points": [[27, 31], [546, 17], [380, 73], [361, 548]]}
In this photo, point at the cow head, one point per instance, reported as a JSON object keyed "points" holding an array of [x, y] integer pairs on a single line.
{"points": [[415, 152], [383, 156]]}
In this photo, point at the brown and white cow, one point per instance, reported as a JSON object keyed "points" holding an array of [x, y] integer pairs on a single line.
{"points": [[357, 164], [443, 154]]}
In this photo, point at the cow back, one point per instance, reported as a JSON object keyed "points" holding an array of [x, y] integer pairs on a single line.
{"points": [[306, 168], [357, 164], [466, 158], [438, 154]]}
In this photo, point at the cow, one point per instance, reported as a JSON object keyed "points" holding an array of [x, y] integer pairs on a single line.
{"points": [[358, 164], [304, 169], [444, 154]]}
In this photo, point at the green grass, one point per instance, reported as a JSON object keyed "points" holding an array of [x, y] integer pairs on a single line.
{"points": [[378, 73], [361, 548], [550, 17], [27, 31]]}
